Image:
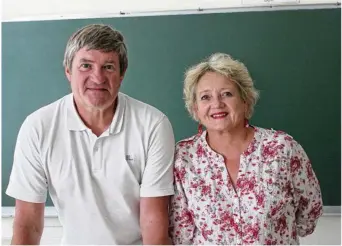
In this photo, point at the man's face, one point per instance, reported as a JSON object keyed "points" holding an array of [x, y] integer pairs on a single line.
{"points": [[95, 78]]}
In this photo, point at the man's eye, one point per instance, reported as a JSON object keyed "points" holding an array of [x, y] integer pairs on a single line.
{"points": [[85, 65], [109, 67]]}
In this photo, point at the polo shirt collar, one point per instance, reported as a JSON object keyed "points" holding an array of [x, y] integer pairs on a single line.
{"points": [[74, 121], [118, 119]]}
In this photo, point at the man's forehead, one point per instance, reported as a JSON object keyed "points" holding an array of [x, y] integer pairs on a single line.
{"points": [[89, 54]]}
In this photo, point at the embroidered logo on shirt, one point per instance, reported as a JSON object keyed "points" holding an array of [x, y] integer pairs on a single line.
{"points": [[129, 158]]}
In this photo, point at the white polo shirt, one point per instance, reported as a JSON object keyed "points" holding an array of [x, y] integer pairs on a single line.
{"points": [[95, 182]]}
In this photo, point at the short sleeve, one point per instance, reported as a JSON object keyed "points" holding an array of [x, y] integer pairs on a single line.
{"points": [[157, 177], [307, 191], [27, 180], [181, 218]]}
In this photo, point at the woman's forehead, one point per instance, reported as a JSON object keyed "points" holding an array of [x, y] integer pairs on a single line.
{"points": [[214, 81]]}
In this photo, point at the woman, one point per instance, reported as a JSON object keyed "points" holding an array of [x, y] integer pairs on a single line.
{"points": [[236, 183]]}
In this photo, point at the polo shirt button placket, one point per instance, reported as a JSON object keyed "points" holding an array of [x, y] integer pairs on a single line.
{"points": [[96, 156], [96, 147]]}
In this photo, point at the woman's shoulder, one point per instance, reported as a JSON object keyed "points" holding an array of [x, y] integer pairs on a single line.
{"points": [[273, 133], [269, 136], [187, 143], [186, 149]]}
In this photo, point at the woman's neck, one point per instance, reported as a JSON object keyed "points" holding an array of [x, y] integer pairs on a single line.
{"points": [[230, 142]]}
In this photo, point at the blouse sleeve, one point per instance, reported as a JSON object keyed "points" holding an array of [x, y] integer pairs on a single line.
{"points": [[181, 227], [306, 191]]}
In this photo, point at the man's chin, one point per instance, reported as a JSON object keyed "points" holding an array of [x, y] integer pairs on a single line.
{"points": [[100, 105]]}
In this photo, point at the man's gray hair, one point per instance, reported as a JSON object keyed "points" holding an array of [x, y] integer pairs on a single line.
{"points": [[97, 37]]}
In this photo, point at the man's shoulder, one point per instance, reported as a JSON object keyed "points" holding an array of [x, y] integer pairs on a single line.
{"points": [[46, 113], [140, 108]]}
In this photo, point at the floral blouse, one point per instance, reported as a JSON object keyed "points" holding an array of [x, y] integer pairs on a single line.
{"points": [[277, 196]]}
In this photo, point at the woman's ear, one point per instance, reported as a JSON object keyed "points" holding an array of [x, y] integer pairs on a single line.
{"points": [[245, 107], [195, 110]]}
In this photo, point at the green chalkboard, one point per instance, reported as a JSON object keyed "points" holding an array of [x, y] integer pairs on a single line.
{"points": [[293, 56]]}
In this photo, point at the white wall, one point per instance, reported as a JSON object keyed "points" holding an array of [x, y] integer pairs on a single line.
{"points": [[14, 10], [328, 231]]}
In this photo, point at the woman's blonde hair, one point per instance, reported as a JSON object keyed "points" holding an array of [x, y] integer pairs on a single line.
{"points": [[223, 64]]}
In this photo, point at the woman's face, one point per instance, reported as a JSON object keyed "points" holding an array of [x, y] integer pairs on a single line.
{"points": [[218, 105]]}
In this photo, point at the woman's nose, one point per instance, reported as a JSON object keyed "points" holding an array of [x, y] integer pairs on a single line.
{"points": [[217, 102]]}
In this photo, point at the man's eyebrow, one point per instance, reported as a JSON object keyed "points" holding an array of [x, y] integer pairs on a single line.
{"points": [[110, 61], [86, 60], [91, 61]]}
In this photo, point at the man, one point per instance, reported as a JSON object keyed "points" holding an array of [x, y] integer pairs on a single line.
{"points": [[105, 158]]}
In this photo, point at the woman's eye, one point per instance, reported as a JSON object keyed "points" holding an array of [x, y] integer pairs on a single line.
{"points": [[205, 97], [227, 94]]}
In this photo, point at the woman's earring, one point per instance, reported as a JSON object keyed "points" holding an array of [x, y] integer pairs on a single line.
{"points": [[246, 123], [200, 128]]}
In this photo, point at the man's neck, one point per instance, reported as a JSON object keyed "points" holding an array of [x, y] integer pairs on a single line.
{"points": [[97, 120]]}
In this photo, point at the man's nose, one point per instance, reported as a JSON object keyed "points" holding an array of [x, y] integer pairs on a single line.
{"points": [[98, 76]]}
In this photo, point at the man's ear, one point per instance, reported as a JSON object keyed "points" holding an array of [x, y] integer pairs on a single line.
{"points": [[122, 75], [68, 73]]}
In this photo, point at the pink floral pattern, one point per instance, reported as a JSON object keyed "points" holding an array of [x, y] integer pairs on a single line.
{"points": [[277, 196]]}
